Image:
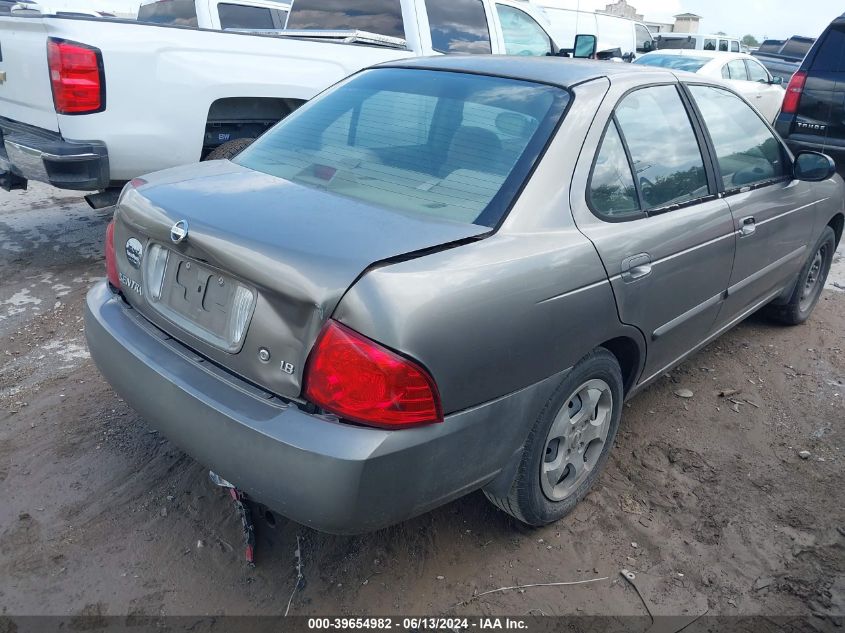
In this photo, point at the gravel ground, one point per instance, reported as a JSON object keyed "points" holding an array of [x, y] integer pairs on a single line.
{"points": [[706, 499]]}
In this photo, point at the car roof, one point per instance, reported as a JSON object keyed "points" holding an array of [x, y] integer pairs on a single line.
{"points": [[563, 72]]}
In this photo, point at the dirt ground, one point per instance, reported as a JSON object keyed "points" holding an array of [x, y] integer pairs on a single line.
{"points": [[707, 500]]}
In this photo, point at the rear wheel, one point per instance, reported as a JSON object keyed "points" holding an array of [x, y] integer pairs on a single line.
{"points": [[810, 283], [569, 443], [230, 149]]}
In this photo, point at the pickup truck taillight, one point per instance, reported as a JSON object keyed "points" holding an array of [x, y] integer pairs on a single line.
{"points": [[792, 98], [111, 259], [76, 76], [359, 380]]}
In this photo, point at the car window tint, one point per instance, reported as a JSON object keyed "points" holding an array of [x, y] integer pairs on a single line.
{"points": [[612, 191], [522, 34], [737, 71], [709, 45], [376, 16], [458, 26], [746, 149], [664, 149], [756, 72], [442, 144], [238, 16], [831, 55], [723, 45]]}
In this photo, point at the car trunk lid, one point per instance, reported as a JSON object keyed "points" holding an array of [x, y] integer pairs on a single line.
{"points": [[284, 253]]}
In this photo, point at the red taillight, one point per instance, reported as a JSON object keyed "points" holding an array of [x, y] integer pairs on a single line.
{"points": [[792, 98], [111, 260], [359, 380], [76, 76]]}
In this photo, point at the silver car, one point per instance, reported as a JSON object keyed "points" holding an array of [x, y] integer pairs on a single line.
{"points": [[446, 275]]}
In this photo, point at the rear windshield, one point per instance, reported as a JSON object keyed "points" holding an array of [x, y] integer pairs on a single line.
{"points": [[443, 144], [173, 12], [676, 43], [376, 16], [675, 62]]}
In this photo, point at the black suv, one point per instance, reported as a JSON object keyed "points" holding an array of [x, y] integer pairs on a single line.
{"points": [[813, 113]]}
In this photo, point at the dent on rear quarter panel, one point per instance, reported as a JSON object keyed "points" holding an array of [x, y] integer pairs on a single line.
{"points": [[491, 317]]}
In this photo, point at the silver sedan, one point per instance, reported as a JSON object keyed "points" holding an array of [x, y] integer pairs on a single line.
{"points": [[446, 275]]}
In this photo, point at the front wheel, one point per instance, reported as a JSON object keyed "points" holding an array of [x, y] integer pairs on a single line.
{"points": [[810, 282], [569, 443]]}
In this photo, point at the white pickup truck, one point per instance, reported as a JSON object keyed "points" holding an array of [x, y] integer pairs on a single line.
{"points": [[89, 104]]}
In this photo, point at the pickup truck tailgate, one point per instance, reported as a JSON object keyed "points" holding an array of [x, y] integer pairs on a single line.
{"points": [[25, 93]]}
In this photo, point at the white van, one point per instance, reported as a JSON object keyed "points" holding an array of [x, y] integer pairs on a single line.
{"points": [[617, 37], [698, 42]]}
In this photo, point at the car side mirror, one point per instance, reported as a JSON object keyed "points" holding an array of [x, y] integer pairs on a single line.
{"points": [[776, 81], [585, 46], [813, 166]]}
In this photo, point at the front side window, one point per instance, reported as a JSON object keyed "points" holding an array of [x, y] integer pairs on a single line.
{"points": [[376, 16], [238, 16], [522, 34], [612, 191], [734, 46], [747, 151], [458, 26], [756, 72], [664, 150], [441, 144]]}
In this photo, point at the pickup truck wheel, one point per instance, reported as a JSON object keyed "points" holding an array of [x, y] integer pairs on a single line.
{"points": [[569, 443], [810, 283], [230, 149]]}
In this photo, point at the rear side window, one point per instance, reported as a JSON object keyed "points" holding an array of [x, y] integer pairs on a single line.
{"points": [[709, 44], [428, 143], [612, 191], [522, 34], [831, 55], [376, 16], [736, 70], [238, 16], [747, 151], [663, 147], [723, 45], [172, 12], [458, 26]]}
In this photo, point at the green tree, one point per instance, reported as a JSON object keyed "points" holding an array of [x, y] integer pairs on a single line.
{"points": [[750, 41]]}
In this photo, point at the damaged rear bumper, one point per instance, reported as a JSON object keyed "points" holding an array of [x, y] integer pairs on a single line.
{"points": [[332, 476]]}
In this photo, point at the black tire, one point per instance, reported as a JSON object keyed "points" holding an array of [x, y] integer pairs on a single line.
{"points": [[804, 298], [229, 149], [527, 500]]}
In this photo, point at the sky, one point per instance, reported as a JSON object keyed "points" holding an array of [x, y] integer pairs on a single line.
{"points": [[776, 19]]}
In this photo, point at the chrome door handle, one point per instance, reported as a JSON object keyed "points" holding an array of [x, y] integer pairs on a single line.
{"points": [[749, 225], [636, 267]]}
